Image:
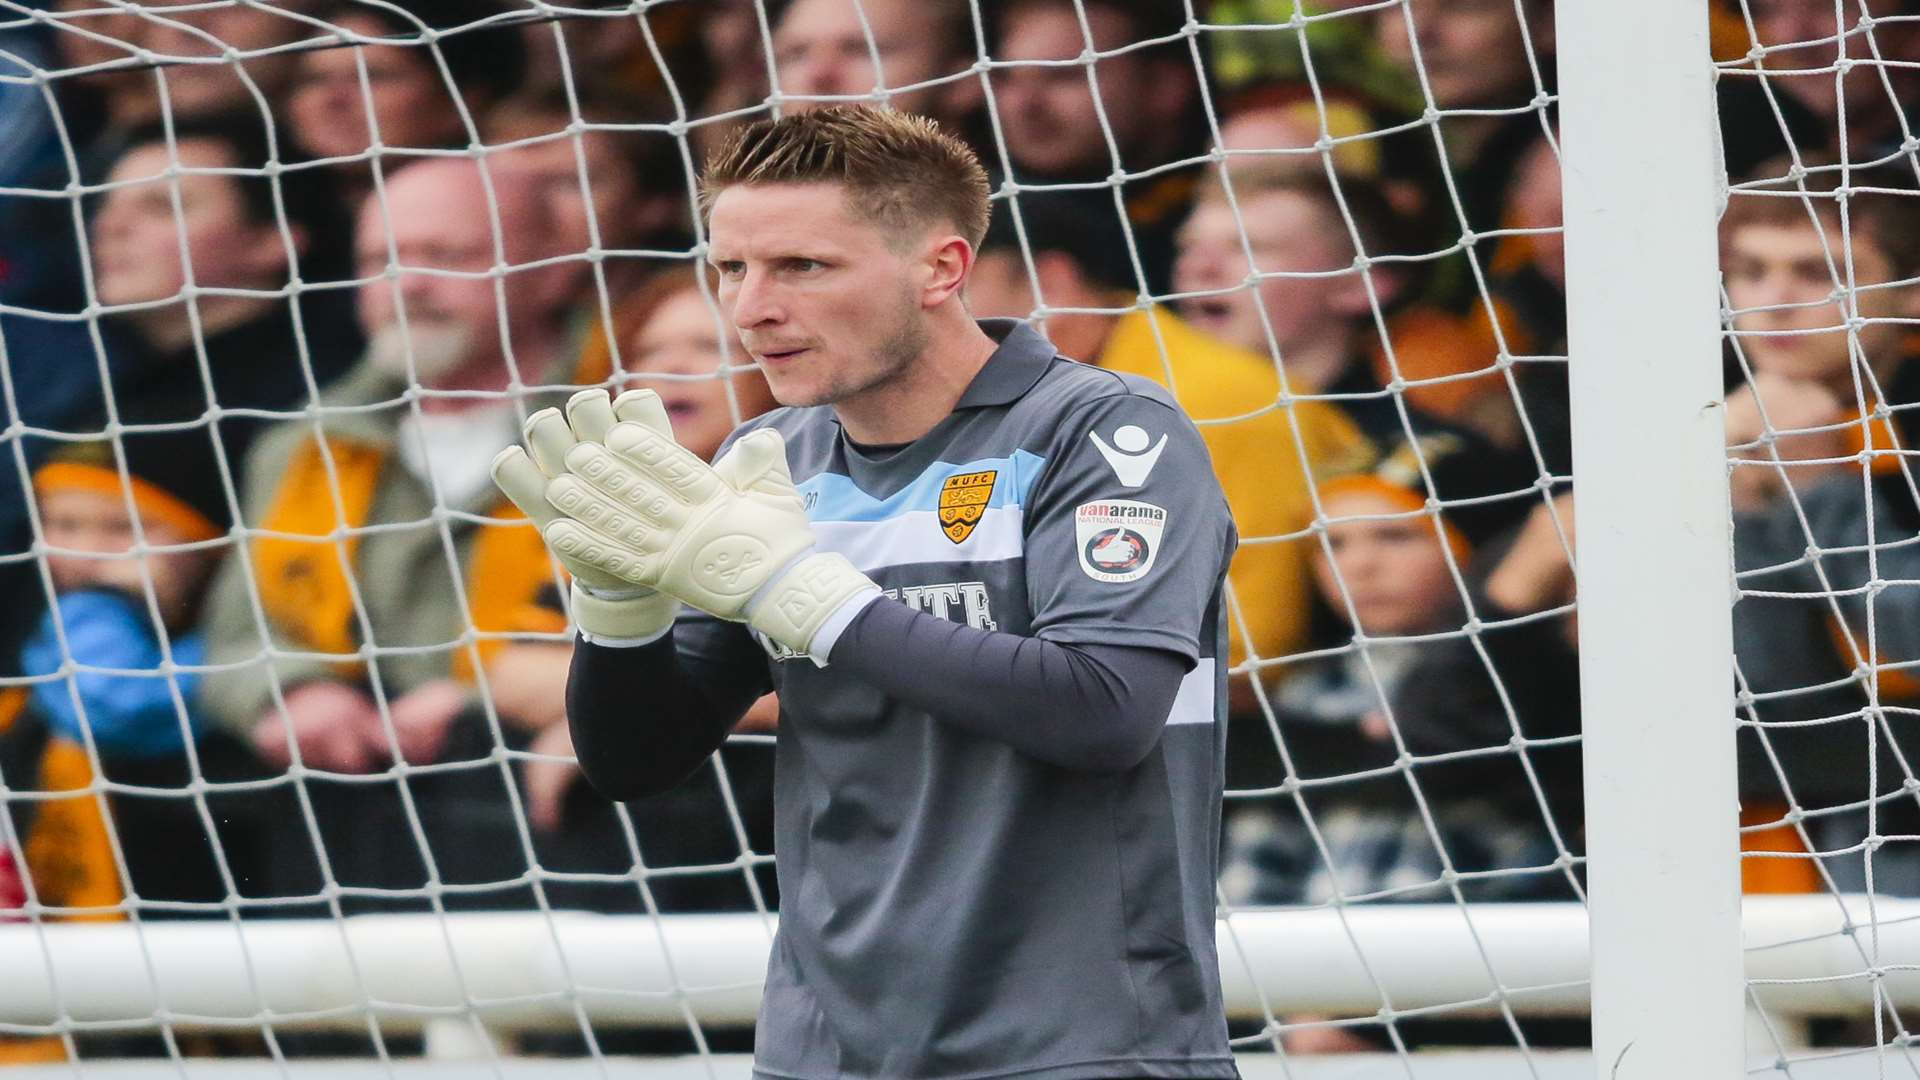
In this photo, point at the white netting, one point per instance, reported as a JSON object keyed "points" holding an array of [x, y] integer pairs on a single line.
{"points": [[1820, 318], [1331, 227]]}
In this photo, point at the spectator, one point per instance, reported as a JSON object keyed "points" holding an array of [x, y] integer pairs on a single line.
{"points": [[1314, 311], [1275, 127], [136, 727], [1444, 346], [824, 52], [1823, 652], [1079, 262], [1056, 131], [259, 349], [1477, 55], [1354, 825], [604, 54], [198, 31], [376, 631], [1804, 42], [1528, 276], [227, 241], [732, 63], [412, 104], [676, 347], [633, 196]]}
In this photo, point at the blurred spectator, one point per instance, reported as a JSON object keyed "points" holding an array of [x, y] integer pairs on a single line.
{"points": [[633, 195], [259, 350], [412, 105], [227, 240], [733, 68], [824, 53], [1393, 571], [1080, 262], [676, 346], [1056, 131], [106, 40], [1827, 653], [374, 631], [1806, 42], [1486, 63], [180, 32], [1276, 126], [1528, 275], [603, 54], [1313, 310], [1441, 325], [134, 609]]}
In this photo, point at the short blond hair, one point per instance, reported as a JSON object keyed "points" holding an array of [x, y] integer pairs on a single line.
{"points": [[902, 172]]}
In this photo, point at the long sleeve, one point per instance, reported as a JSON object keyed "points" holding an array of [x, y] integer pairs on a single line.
{"points": [[1089, 707], [644, 717]]}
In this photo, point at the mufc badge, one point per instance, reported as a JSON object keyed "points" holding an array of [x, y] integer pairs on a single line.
{"points": [[1118, 538], [963, 502]]}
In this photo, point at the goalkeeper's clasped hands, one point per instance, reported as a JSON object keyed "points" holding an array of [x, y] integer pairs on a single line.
{"points": [[644, 525]]}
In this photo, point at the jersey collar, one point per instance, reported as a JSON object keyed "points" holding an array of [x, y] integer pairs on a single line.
{"points": [[1013, 368]]}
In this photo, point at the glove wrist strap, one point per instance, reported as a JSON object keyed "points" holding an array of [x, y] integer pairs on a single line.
{"points": [[796, 604], [623, 621]]}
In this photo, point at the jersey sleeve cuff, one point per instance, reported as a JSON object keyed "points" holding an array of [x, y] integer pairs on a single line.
{"points": [[829, 633]]}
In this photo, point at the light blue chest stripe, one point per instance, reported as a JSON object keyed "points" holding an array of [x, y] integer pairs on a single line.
{"points": [[833, 497]]}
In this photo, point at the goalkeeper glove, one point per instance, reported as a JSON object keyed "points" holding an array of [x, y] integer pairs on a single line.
{"points": [[732, 539], [605, 605]]}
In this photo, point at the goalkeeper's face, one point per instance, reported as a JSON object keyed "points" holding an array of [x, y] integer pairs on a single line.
{"points": [[828, 303]]}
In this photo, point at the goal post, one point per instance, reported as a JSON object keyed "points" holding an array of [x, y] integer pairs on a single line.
{"points": [[1641, 191]]}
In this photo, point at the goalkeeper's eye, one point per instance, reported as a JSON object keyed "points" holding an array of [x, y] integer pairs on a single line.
{"points": [[731, 268]]}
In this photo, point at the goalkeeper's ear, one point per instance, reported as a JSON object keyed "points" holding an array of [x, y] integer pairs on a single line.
{"points": [[757, 462]]}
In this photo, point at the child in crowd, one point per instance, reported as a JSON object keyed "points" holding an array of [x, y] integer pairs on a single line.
{"points": [[114, 659], [1394, 573], [1333, 815], [1826, 513]]}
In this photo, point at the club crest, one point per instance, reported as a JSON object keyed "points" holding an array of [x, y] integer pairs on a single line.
{"points": [[963, 502]]}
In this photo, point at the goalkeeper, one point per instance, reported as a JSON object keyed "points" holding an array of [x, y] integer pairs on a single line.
{"points": [[986, 583]]}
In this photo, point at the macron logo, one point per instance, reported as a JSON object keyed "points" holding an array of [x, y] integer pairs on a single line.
{"points": [[1130, 457]]}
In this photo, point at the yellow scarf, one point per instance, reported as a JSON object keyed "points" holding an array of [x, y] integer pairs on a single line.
{"points": [[302, 570]]}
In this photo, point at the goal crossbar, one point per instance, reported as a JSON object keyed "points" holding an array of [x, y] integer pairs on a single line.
{"points": [[532, 971]]}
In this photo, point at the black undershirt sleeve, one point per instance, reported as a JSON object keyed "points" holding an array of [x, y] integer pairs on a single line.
{"points": [[641, 722], [1096, 708]]}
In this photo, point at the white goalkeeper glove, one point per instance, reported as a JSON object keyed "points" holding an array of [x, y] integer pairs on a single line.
{"points": [[732, 539], [606, 606]]}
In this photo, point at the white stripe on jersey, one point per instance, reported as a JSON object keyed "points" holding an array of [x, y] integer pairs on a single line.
{"points": [[1194, 703], [915, 537]]}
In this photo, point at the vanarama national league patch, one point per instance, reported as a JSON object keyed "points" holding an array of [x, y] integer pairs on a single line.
{"points": [[1118, 538]]}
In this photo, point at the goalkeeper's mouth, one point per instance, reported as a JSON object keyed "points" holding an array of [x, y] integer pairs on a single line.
{"points": [[777, 357]]}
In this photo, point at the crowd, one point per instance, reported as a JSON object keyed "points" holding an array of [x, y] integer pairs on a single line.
{"points": [[255, 373]]}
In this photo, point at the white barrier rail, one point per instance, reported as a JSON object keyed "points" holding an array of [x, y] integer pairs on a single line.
{"points": [[525, 971]]}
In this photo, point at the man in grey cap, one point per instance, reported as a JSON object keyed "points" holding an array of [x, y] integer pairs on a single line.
{"points": [[986, 583]]}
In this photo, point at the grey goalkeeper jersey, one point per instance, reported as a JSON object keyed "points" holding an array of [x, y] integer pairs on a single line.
{"points": [[952, 907]]}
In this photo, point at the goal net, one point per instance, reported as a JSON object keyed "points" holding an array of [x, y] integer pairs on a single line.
{"points": [[284, 765]]}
